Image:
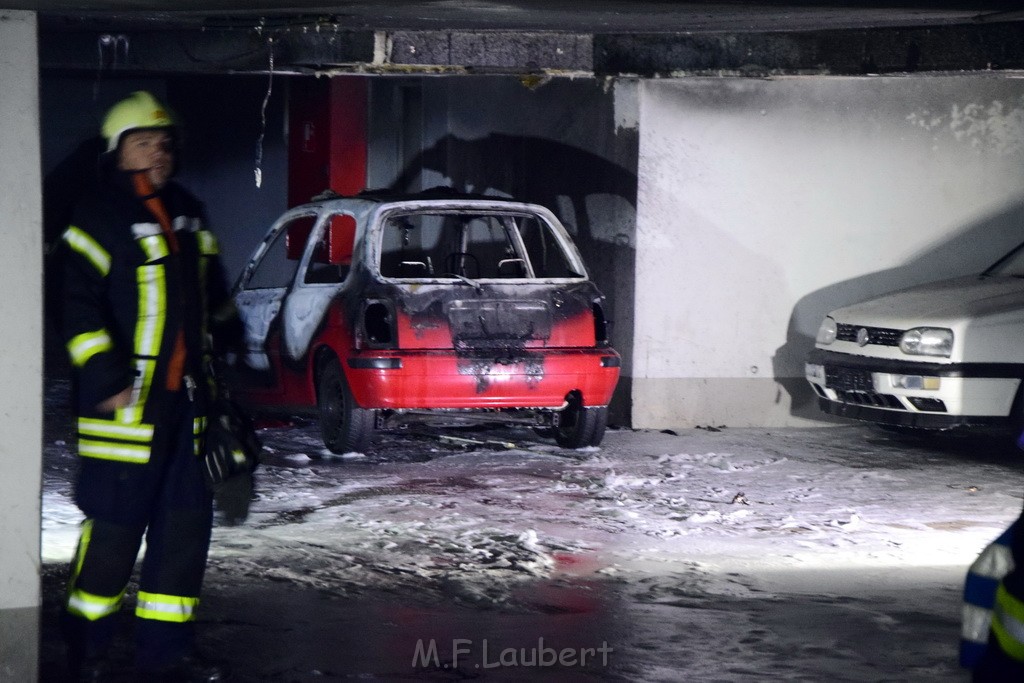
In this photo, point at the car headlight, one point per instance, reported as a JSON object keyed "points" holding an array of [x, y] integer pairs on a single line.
{"points": [[927, 341], [827, 331]]}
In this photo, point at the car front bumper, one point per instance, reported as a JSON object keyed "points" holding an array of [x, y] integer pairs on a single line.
{"points": [[914, 393]]}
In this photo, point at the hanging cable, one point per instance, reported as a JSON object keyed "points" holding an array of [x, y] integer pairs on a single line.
{"points": [[110, 49], [263, 116]]}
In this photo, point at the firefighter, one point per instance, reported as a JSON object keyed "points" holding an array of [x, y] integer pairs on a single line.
{"points": [[144, 293], [1003, 658]]}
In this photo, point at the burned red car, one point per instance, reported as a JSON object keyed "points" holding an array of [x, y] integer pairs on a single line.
{"points": [[377, 311]]}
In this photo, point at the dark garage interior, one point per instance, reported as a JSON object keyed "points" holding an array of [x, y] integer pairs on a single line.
{"points": [[536, 101]]}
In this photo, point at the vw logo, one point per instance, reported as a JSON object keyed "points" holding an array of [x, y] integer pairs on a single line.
{"points": [[862, 337]]}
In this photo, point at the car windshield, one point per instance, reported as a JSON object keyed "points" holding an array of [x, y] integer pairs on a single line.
{"points": [[476, 245], [1011, 265]]}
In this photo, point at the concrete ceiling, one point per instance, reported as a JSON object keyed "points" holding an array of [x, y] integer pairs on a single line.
{"points": [[620, 16], [553, 37]]}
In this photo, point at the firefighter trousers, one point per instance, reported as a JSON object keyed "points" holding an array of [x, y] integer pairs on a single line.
{"points": [[164, 500]]}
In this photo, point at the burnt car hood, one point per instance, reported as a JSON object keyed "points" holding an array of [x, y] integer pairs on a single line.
{"points": [[498, 321], [488, 316]]}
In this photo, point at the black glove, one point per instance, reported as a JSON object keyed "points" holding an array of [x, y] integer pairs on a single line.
{"points": [[232, 446], [232, 454]]}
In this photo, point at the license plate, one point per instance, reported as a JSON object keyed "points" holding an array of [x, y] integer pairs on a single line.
{"points": [[847, 379]]}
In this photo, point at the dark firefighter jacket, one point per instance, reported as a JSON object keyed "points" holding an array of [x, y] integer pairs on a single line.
{"points": [[127, 297]]}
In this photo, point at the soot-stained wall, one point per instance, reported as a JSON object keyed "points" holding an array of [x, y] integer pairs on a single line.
{"points": [[569, 145], [763, 204]]}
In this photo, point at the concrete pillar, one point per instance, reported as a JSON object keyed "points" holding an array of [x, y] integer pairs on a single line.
{"points": [[21, 359]]}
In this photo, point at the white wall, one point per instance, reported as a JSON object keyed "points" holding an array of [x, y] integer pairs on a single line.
{"points": [[762, 204], [21, 360]]}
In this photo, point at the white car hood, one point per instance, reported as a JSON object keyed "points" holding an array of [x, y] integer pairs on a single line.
{"points": [[946, 302]]}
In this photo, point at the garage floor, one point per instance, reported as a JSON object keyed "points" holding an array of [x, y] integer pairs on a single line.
{"points": [[714, 554]]}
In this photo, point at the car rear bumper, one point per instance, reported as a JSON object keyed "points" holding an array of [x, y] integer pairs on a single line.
{"points": [[447, 380], [916, 394]]}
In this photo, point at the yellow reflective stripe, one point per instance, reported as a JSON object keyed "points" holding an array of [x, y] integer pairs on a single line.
{"points": [[207, 247], [147, 369], [82, 603], [174, 608], [190, 224], [994, 562], [974, 623], [204, 303], [144, 370], [114, 430], [106, 450], [84, 244], [198, 429], [131, 414], [141, 230], [155, 247], [238, 456], [152, 306], [1008, 623], [93, 607], [84, 346], [207, 243], [83, 546]]}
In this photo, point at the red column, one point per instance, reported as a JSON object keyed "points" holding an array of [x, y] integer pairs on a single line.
{"points": [[326, 136]]}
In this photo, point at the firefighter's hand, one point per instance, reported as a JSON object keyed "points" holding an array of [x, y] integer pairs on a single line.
{"points": [[118, 400]]}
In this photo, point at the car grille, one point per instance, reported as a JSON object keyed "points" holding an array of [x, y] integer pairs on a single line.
{"points": [[866, 398], [882, 336]]}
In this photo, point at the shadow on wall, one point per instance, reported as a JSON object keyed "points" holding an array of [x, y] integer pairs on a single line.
{"points": [[530, 168], [594, 197], [969, 251]]}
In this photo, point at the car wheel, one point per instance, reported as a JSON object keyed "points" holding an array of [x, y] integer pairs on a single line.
{"points": [[345, 426], [579, 425]]}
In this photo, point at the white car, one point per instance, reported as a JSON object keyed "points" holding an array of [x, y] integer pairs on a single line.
{"points": [[936, 356]]}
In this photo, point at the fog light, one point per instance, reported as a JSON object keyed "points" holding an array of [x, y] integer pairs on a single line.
{"points": [[813, 371], [916, 382], [928, 405]]}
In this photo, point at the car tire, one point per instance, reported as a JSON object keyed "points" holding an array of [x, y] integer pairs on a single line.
{"points": [[580, 426], [344, 426]]}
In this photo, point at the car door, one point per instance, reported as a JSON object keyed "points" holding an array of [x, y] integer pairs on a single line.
{"points": [[260, 295], [323, 271]]}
